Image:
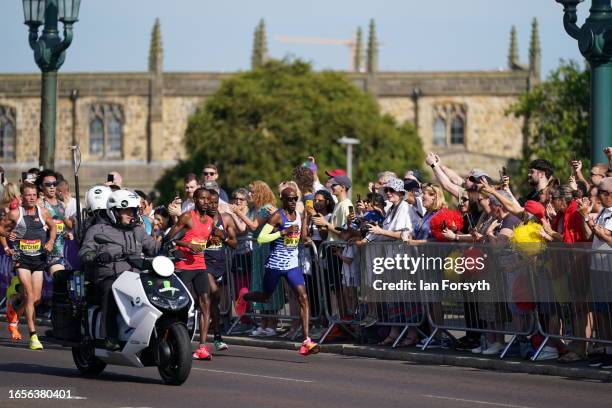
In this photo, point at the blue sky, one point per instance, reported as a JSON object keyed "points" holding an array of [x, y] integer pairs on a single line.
{"points": [[204, 35]]}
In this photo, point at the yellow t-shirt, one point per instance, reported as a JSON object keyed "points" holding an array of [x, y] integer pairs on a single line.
{"points": [[339, 218]]}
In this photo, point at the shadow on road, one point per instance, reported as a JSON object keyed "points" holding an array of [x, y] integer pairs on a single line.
{"points": [[23, 368]]}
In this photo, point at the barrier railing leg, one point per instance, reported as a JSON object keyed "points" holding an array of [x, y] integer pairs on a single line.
{"points": [[401, 335], [512, 340], [539, 350], [324, 336], [429, 339]]}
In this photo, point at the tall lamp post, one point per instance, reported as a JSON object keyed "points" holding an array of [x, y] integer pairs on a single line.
{"points": [[49, 54], [595, 44], [349, 143]]}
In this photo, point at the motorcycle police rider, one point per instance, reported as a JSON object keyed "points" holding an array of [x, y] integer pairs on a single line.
{"points": [[128, 237]]}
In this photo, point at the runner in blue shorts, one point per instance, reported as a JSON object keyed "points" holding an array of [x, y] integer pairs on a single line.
{"points": [[284, 230]]}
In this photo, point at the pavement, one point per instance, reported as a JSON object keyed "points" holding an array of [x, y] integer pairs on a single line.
{"points": [[247, 376]]}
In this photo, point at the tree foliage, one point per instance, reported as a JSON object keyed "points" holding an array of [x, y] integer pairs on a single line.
{"points": [[557, 120], [260, 124]]}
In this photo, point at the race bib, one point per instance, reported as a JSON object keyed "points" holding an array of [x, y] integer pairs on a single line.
{"points": [[292, 241], [59, 226], [30, 246], [215, 246], [203, 244]]}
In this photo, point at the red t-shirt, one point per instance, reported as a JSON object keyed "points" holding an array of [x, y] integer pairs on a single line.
{"points": [[198, 234]]}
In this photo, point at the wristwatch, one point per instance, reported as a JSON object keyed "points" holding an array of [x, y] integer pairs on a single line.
{"points": [[433, 165], [587, 219]]}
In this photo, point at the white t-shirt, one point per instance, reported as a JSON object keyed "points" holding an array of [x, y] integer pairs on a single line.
{"points": [[350, 272], [601, 262], [71, 208], [397, 219]]}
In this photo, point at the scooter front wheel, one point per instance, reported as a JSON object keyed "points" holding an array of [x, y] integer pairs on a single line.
{"points": [[86, 361], [176, 371]]}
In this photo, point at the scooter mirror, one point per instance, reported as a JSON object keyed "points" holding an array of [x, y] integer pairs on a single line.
{"points": [[102, 239], [163, 266]]}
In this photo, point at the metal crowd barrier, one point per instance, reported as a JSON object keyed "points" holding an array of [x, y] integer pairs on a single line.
{"points": [[246, 271], [554, 292]]}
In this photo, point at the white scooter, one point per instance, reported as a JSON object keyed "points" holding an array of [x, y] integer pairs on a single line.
{"points": [[156, 321]]}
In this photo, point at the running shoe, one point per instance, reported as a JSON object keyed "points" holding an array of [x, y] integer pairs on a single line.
{"points": [[35, 344], [202, 353], [495, 348], [309, 347], [259, 331], [14, 330], [269, 332], [241, 304], [220, 345]]}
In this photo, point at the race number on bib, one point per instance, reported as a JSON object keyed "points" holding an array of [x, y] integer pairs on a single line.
{"points": [[291, 241], [59, 226], [30, 246]]}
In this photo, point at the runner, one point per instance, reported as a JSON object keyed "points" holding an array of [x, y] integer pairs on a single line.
{"points": [[284, 260], [48, 185], [34, 234], [215, 255], [192, 271]]}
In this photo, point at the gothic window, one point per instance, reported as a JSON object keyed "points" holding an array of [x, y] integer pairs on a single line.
{"points": [[449, 125], [106, 131], [457, 131], [8, 133], [439, 132]]}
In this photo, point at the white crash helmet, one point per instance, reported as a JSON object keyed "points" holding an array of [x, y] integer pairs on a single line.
{"points": [[97, 198], [122, 199]]}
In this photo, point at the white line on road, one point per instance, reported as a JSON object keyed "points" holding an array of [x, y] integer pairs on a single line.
{"points": [[252, 375], [475, 401]]}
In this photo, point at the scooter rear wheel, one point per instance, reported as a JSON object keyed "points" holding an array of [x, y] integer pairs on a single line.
{"points": [[177, 370], [86, 361]]}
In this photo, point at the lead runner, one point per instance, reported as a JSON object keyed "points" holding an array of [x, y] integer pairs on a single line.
{"points": [[284, 230]]}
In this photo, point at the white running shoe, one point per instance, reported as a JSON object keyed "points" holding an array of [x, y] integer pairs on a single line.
{"points": [[258, 331], [269, 332], [493, 349], [548, 353]]}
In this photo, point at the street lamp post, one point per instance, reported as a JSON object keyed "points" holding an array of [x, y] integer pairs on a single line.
{"points": [[595, 44], [49, 54], [349, 143]]}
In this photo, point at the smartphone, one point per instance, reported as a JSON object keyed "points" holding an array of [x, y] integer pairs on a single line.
{"points": [[24, 176], [358, 198], [501, 176], [504, 171], [110, 178], [351, 209], [1, 178]]}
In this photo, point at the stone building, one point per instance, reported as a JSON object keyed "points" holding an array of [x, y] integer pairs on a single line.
{"points": [[134, 122]]}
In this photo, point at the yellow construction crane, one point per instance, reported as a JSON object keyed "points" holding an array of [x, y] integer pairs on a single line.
{"points": [[351, 44]]}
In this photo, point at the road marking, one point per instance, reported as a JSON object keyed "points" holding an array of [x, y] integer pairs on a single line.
{"points": [[253, 375], [475, 401]]}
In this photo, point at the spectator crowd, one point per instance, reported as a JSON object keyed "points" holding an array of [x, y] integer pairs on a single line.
{"points": [[40, 213]]}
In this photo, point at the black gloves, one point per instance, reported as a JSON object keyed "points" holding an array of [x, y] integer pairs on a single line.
{"points": [[103, 258]]}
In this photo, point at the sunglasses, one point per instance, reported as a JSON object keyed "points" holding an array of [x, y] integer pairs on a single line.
{"points": [[604, 192], [464, 199], [209, 173], [50, 184], [290, 199], [388, 190]]}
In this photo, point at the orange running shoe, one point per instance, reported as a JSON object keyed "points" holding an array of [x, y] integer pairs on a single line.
{"points": [[202, 353], [15, 335], [309, 347]]}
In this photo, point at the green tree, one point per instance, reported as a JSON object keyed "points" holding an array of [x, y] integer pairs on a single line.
{"points": [[556, 114], [262, 123]]}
